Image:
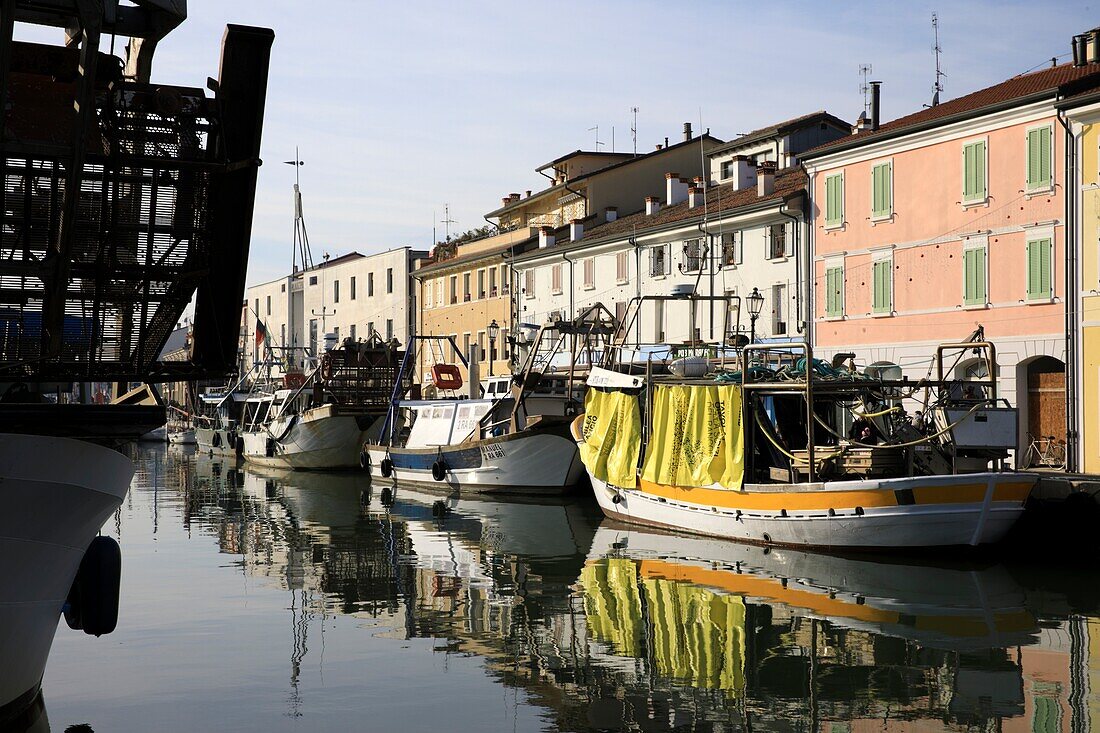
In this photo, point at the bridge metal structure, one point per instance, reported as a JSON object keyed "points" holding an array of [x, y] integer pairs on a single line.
{"points": [[122, 200]]}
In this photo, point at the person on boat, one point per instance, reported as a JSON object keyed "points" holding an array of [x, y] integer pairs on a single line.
{"points": [[863, 431]]}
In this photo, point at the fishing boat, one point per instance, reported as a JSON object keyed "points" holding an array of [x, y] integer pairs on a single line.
{"points": [[148, 208], [509, 435], [319, 421], [796, 451], [219, 420]]}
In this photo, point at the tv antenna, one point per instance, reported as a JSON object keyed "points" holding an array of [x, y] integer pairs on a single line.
{"points": [[937, 87], [597, 129], [865, 88], [634, 129], [446, 221]]}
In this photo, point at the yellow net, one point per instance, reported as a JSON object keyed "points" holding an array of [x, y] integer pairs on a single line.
{"points": [[697, 437], [612, 437]]}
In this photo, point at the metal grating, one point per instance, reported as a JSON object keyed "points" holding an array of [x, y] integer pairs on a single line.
{"points": [[141, 239]]}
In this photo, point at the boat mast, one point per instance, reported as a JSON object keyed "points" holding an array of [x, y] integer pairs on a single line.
{"points": [[300, 248]]}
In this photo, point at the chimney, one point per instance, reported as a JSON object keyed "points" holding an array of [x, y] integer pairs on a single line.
{"points": [[1092, 46], [514, 196], [576, 230], [506, 200], [611, 213], [765, 179], [652, 205], [546, 237], [695, 197], [742, 172], [875, 88], [676, 190], [687, 131], [1079, 45], [528, 194]]}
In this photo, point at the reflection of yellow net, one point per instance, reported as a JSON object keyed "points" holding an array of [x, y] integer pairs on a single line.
{"points": [[698, 636], [696, 437], [612, 437]]}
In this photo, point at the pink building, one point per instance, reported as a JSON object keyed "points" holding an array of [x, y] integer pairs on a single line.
{"points": [[950, 220]]}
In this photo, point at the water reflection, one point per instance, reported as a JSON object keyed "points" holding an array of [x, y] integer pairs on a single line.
{"points": [[596, 626]]}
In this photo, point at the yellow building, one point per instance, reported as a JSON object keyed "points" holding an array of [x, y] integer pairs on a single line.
{"points": [[462, 290], [1083, 180]]}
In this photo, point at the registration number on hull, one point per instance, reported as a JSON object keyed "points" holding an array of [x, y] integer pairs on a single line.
{"points": [[492, 452]]}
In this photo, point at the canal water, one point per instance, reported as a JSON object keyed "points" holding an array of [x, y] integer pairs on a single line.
{"points": [[309, 602]]}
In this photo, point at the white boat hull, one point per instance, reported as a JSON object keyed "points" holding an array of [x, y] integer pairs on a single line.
{"points": [[55, 495], [317, 439], [540, 463], [917, 525], [216, 441], [182, 437]]}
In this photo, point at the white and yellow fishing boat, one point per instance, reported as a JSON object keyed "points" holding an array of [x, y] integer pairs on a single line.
{"points": [[770, 456]]}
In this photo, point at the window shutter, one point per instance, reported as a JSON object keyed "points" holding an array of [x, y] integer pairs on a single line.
{"points": [[981, 287], [980, 173], [1044, 268], [667, 249], [881, 176], [880, 301], [1044, 157]]}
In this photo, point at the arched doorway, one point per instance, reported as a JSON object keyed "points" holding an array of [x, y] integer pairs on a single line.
{"points": [[1046, 398]]}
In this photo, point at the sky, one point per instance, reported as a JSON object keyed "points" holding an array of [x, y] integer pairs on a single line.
{"points": [[402, 109]]}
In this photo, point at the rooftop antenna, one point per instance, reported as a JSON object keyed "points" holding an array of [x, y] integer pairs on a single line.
{"points": [[301, 236], [865, 88], [598, 143], [937, 87], [634, 129], [446, 221]]}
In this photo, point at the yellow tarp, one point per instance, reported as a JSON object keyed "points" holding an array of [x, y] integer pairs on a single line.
{"points": [[696, 437], [612, 437]]}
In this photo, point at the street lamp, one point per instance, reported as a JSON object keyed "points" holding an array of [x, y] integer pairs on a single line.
{"points": [[494, 331], [756, 304]]}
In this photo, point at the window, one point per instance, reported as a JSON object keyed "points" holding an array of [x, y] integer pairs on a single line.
{"points": [[777, 241], [389, 329], [466, 345], [389, 279], [529, 283], [282, 335], [336, 333], [726, 169], [834, 200], [370, 284], [974, 275], [282, 288], [505, 287], [313, 336], [257, 310], [882, 191], [335, 291], [429, 287], [779, 310], [622, 267], [352, 287], [269, 305], [555, 279], [313, 280], [493, 292], [658, 321], [975, 186], [351, 332], [733, 248], [1038, 269], [882, 295], [834, 291], [1040, 171], [370, 328], [693, 255], [453, 295], [620, 315], [590, 273], [481, 344], [659, 262], [465, 287], [480, 284]]}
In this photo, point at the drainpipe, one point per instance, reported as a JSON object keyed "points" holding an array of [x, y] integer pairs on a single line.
{"points": [[633, 241], [1071, 237], [796, 235]]}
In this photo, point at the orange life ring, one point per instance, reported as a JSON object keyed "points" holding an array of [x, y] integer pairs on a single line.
{"points": [[446, 376]]}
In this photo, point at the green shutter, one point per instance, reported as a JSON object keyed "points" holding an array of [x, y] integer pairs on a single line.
{"points": [[1038, 158], [834, 200], [1039, 269], [880, 297], [880, 190], [974, 286], [834, 292], [974, 174]]}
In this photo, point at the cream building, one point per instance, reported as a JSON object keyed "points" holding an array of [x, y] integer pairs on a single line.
{"points": [[349, 296]]}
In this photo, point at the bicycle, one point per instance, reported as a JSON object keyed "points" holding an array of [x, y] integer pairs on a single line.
{"points": [[1046, 451]]}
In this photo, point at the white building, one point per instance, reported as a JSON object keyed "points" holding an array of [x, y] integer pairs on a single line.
{"points": [[746, 228], [348, 296]]}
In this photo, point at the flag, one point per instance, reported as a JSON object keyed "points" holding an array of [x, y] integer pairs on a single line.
{"points": [[261, 332]]}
